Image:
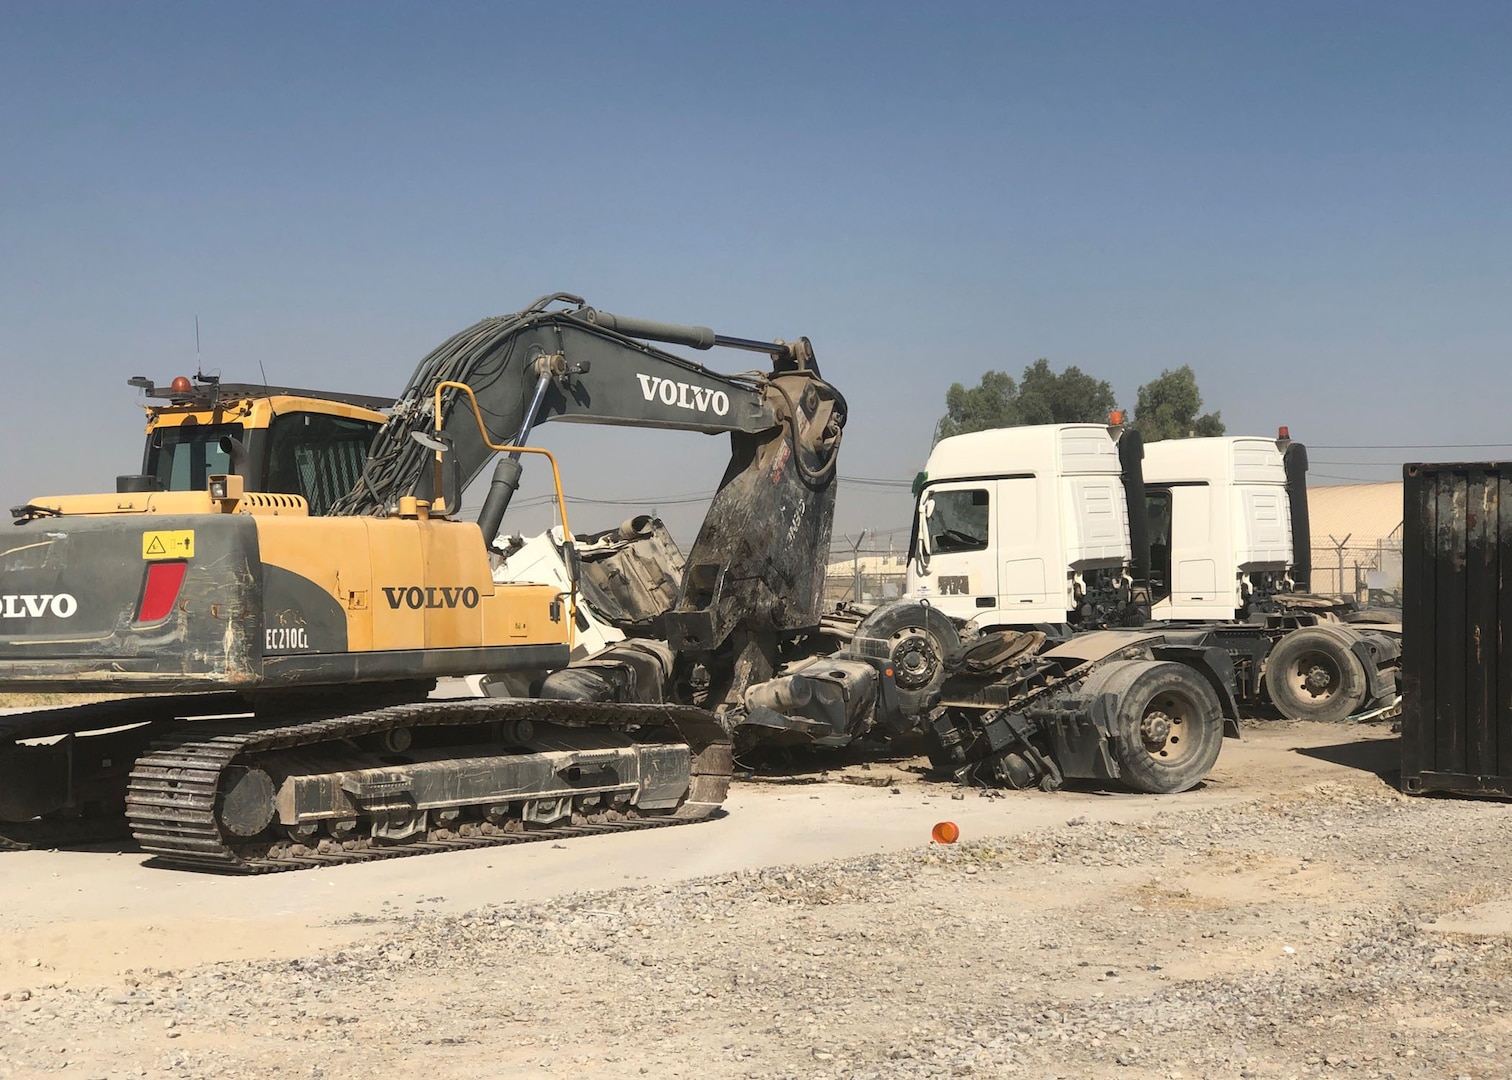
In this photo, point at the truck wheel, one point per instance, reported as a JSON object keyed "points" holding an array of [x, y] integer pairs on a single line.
{"points": [[1168, 728], [1312, 674], [913, 640]]}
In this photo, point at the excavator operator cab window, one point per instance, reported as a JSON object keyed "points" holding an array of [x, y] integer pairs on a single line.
{"points": [[183, 458], [317, 456], [1158, 506], [957, 520]]}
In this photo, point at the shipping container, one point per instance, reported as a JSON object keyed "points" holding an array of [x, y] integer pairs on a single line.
{"points": [[1457, 628]]}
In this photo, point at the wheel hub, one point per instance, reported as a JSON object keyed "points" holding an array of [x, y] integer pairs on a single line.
{"points": [[1155, 729], [914, 658], [1317, 680]]}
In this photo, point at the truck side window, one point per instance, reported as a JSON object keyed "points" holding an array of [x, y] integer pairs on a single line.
{"points": [[1158, 506], [957, 520], [317, 456]]}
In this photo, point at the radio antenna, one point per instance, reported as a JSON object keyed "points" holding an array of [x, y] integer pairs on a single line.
{"points": [[199, 367], [266, 389]]}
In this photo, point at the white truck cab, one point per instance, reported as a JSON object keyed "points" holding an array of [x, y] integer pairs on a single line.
{"points": [[1220, 525], [1015, 526]]}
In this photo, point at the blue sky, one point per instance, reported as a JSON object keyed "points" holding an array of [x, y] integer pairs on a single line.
{"points": [[1307, 203]]}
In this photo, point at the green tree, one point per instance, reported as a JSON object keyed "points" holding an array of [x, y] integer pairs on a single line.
{"points": [[993, 403], [1040, 397], [1167, 408], [1072, 397]]}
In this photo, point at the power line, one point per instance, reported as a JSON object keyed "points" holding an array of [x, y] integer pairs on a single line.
{"points": [[671, 500], [679, 499], [684, 498], [877, 482], [1352, 479], [1407, 446]]}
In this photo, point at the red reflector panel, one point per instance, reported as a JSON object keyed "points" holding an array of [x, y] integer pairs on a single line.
{"points": [[164, 579]]}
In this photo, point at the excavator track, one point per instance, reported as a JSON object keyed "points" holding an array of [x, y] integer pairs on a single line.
{"points": [[93, 816], [175, 791]]}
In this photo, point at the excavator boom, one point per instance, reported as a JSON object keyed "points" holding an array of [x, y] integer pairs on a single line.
{"points": [[542, 364]]}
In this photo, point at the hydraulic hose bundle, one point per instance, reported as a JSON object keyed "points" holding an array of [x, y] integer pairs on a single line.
{"points": [[482, 355]]}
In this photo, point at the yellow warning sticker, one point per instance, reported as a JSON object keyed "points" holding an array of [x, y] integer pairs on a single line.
{"points": [[168, 544]]}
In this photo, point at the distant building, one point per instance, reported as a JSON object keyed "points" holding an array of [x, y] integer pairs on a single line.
{"points": [[1357, 539]]}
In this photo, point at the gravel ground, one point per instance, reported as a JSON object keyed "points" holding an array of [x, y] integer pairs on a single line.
{"points": [[1340, 930]]}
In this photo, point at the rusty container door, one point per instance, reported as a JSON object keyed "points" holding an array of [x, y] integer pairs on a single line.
{"points": [[1457, 628]]}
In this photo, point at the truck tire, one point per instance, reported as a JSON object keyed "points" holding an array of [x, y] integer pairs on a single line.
{"points": [[913, 640], [1312, 674], [1167, 728]]}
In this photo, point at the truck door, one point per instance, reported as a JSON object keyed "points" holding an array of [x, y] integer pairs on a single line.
{"points": [[962, 565], [1020, 551], [1194, 564]]}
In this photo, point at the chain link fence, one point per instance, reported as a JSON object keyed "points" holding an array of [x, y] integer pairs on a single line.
{"points": [[869, 576], [1368, 573]]}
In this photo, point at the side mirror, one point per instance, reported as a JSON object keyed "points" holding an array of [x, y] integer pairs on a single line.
{"points": [[926, 508], [574, 564]]}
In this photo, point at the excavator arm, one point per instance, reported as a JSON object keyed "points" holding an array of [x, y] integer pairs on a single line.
{"points": [[754, 565], [545, 364]]}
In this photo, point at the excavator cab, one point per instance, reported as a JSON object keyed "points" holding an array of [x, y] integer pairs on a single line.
{"points": [[277, 439]]}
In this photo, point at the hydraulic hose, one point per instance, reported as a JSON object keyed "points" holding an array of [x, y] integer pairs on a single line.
{"points": [[396, 464], [821, 476]]}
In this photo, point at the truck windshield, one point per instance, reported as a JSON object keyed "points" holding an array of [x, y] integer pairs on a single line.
{"points": [[957, 520], [183, 457]]}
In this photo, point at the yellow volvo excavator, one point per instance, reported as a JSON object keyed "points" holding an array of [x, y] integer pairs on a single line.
{"points": [[289, 574]]}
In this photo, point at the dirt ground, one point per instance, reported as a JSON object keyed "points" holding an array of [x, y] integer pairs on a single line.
{"points": [[1295, 916]]}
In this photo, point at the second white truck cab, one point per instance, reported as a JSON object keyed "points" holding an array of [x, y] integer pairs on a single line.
{"points": [[1018, 526], [1220, 525]]}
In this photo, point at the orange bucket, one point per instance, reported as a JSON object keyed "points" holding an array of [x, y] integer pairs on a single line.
{"points": [[946, 832]]}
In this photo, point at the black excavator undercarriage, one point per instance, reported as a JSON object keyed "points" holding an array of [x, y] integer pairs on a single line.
{"points": [[411, 779], [252, 787]]}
